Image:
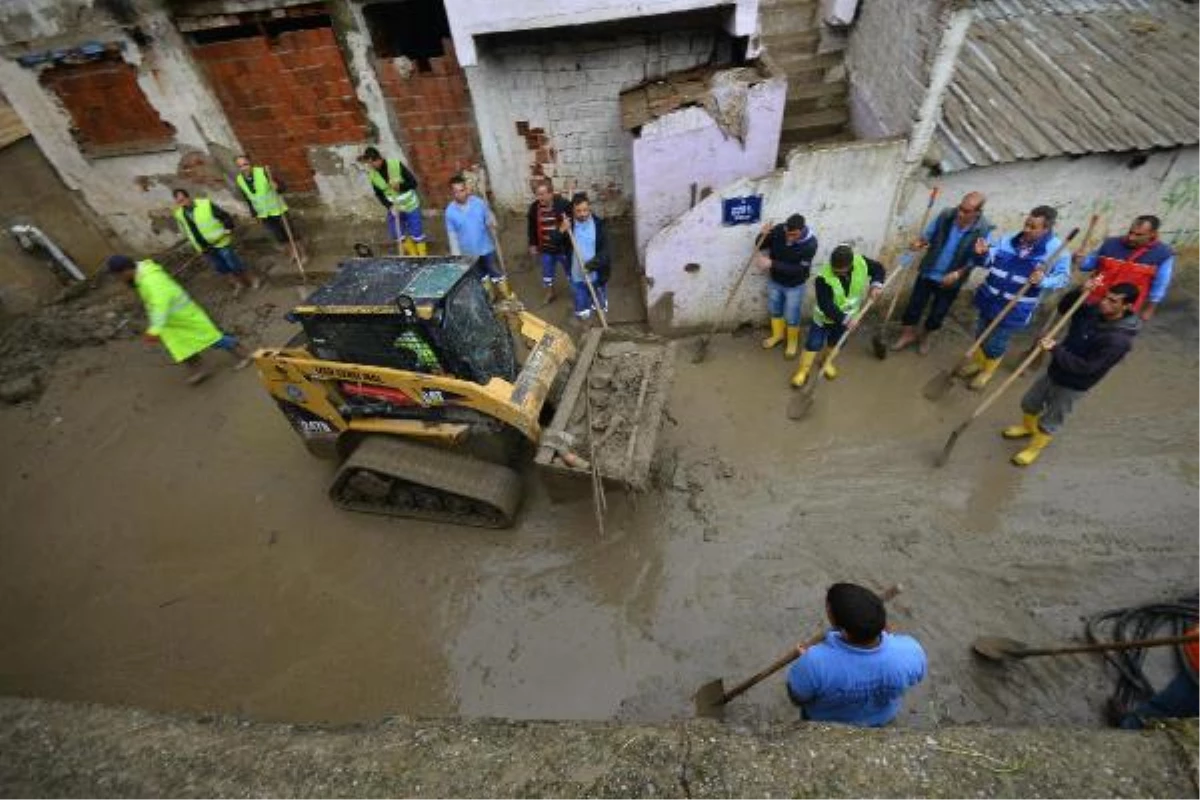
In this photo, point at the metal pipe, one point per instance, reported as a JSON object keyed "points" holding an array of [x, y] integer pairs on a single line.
{"points": [[29, 235]]}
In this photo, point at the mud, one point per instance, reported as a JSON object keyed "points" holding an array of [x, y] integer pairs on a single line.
{"points": [[173, 548]]}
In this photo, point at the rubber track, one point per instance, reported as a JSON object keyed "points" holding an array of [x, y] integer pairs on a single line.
{"points": [[443, 471]]}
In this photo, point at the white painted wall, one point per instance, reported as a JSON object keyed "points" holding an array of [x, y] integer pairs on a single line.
{"points": [[846, 193], [1165, 185], [469, 18], [571, 90], [662, 190]]}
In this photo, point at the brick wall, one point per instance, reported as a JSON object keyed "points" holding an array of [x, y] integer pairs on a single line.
{"points": [[433, 111], [552, 108], [109, 113], [891, 48], [284, 96]]}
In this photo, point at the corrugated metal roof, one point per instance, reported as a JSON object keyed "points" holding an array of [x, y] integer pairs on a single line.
{"points": [[1040, 78]]}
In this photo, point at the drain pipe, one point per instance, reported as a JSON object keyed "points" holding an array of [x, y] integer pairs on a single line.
{"points": [[30, 236]]}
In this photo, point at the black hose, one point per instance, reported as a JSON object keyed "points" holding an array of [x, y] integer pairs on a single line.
{"points": [[1142, 622]]}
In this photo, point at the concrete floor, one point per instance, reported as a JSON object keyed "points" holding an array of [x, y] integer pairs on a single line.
{"points": [[172, 548]]}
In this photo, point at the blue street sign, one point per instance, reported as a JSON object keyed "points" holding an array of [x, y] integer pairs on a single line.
{"points": [[741, 210]]}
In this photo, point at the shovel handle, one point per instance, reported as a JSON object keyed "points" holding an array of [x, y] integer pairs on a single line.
{"points": [[587, 280], [791, 655], [1097, 647], [737, 284]]}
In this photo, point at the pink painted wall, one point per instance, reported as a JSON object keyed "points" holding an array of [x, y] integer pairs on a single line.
{"points": [[686, 147]]}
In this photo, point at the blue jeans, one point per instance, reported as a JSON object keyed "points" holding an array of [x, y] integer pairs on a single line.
{"points": [[785, 301], [995, 345], [822, 336], [549, 261], [225, 261], [226, 342], [583, 298], [406, 223], [1179, 699], [488, 267]]}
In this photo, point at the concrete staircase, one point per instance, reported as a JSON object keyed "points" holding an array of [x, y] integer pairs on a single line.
{"points": [[812, 56]]}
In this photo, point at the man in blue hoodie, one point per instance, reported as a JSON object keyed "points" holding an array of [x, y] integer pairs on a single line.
{"points": [[1099, 337], [787, 252], [857, 672]]}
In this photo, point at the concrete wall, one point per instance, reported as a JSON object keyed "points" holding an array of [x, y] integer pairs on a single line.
{"points": [[888, 58], [663, 191], [552, 108], [1165, 185], [846, 192], [470, 18], [42, 200]]}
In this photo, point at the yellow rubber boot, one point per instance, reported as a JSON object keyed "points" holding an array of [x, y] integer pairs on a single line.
{"points": [[505, 291], [806, 362], [406, 245], [830, 370], [793, 341], [977, 362], [1036, 445], [1026, 429], [420, 249], [777, 333], [985, 374]]}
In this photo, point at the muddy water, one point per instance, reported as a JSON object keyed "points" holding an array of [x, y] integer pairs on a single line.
{"points": [[173, 548]]}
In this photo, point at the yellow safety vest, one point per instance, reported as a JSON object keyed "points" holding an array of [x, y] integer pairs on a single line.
{"points": [[213, 233], [261, 194], [402, 201], [846, 301]]}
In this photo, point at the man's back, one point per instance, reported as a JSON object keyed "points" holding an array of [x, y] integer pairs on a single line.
{"points": [[838, 682]]}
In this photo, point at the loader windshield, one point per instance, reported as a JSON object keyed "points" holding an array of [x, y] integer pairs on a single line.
{"points": [[480, 343]]}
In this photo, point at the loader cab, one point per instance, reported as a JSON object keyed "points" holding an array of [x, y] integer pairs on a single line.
{"points": [[428, 315]]}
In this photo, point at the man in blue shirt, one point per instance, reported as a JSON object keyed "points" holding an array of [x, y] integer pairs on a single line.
{"points": [[954, 243], [471, 229], [857, 672]]}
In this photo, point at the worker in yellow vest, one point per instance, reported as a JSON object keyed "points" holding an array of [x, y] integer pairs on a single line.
{"points": [[842, 287], [261, 191], [209, 229], [174, 319], [396, 188]]}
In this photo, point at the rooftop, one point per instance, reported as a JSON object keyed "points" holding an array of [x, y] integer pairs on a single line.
{"points": [[1041, 78]]}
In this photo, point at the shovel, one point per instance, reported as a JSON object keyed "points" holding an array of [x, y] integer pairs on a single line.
{"points": [[586, 278], [801, 403], [938, 385], [998, 648], [879, 344], [701, 350], [953, 440], [711, 698]]}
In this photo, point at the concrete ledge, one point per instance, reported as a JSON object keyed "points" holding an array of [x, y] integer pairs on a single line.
{"points": [[59, 749]]}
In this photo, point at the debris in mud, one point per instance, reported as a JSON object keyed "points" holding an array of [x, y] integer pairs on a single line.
{"points": [[18, 390]]}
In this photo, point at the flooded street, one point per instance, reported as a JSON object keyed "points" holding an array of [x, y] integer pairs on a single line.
{"points": [[173, 548]]}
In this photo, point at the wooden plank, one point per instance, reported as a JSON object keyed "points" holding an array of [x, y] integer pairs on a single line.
{"points": [[566, 405]]}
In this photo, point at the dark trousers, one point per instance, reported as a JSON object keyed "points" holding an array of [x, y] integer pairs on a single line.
{"points": [[924, 291], [275, 226]]}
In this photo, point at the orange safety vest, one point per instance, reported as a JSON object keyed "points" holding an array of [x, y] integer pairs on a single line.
{"points": [[1115, 270], [1191, 650]]}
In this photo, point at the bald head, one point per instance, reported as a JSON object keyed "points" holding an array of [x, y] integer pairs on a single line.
{"points": [[969, 208]]}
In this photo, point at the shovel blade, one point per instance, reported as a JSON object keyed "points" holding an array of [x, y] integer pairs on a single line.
{"points": [[937, 386], [998, 648], [800, 406], [709, 699], [944, 456], [879, 347]]}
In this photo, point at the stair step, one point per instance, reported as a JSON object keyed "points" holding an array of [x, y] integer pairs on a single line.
{"points": [[811, 124], [802, 42], [803, 62], [776, 20], [810, 91]]}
